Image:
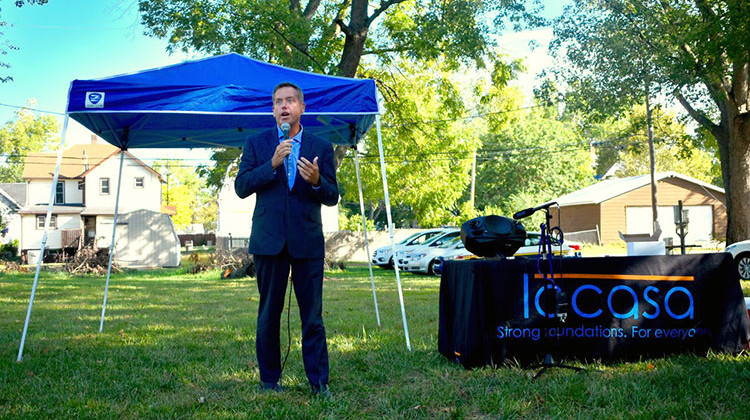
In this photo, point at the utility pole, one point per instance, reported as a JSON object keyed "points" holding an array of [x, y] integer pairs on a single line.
{"points": [[650, 131], [473, 176]]}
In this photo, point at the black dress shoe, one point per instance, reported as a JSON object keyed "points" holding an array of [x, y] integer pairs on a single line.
{"points": [[270, 387], [321, 391]]}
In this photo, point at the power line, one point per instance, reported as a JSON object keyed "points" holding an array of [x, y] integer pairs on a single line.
{"points": [[32, 109]]}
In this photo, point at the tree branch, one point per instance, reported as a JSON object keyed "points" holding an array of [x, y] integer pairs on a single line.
{"points": [[345, 29], [298, 48], [293, 5], [698, 116], [310, 9], [383, 7]]}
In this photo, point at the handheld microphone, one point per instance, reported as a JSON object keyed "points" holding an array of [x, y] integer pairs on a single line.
{"points": [[285, 127], [531, 210]]}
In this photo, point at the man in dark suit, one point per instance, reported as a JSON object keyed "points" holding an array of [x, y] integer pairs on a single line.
{"points": [[291, 177]]}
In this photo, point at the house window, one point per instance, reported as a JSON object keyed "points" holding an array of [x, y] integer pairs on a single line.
{"points": [[60, 192], [139, 182], [80, 185], [40, 221], [104, 186]]}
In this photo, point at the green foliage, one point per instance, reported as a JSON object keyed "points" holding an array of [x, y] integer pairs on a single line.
{"points": [[674, 149], [695, 51], [9, 250], [531, 160], [27, 132], [207, 208], [427, 160], [329, 36], [353, 221], [182, 190]]}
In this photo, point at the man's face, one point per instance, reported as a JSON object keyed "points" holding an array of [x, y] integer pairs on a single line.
{"points": [[287, 108]]}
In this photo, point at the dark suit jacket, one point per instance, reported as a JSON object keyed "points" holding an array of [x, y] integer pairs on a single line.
{"points": [[282, 216]]}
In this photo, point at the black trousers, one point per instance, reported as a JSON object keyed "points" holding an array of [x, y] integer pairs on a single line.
{"points": [[307, 279]]}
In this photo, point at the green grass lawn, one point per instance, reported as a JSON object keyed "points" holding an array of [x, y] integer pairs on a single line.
{"points": [[179, 345]]}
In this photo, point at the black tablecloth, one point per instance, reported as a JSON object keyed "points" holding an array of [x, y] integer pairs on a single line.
{"points": [[617, 308]]}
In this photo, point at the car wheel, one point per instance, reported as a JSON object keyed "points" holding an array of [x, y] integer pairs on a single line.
{"points": [[431, 267], [743, 265], [390, 264]]}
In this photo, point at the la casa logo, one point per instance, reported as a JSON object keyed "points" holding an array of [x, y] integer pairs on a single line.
{"points": [[591, 301], [94, 100]]}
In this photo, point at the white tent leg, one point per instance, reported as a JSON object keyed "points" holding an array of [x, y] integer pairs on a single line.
{"points": [[390, 231], [44, 237], [112, 244], [364, 229]]}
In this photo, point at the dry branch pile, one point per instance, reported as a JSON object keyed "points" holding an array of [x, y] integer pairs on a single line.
{"points": [[91, 261], [233, 264]]}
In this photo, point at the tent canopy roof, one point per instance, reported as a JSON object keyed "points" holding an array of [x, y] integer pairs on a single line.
{"points": [[216, 102]]}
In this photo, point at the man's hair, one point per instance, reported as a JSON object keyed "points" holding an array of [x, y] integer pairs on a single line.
{"points": [[300, 96]]}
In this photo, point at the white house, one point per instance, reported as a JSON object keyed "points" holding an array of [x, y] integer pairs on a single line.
{"points": [[235, 218], [12, 199], [84, 200]]}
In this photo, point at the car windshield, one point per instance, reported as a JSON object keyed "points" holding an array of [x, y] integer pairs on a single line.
{"points": [[450, 243], [412, 236], [442, 239], [425, 237], [533, 238]]}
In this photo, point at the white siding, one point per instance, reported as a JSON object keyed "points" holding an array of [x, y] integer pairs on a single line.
{"points": [[131, 198], [32, 237], [700, 226], [38, 191]]}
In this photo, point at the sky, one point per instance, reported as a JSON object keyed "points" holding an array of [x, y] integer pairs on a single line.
{"points": [[65, 40]]}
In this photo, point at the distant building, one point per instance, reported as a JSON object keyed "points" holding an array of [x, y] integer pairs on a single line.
{"points": [[12, 199], [624, 205], [84, 200]]}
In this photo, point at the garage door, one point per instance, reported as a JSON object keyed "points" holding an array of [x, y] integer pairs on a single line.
{"points": [[700, 226]]}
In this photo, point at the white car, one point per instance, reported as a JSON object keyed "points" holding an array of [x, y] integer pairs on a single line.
{"points": [[425, 259], [529, 249], [383, 256], [741, 253], [447, 235]]}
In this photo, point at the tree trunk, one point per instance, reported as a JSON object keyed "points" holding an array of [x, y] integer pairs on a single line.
{"points": [[354, 45], [738, 208]]}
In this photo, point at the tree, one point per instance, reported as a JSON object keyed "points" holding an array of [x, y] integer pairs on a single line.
{"points": [[675, 149], [26, 133], [426, 143], [531, 160], [698, 52], [181, 190], [332, 37], [4, 44]]}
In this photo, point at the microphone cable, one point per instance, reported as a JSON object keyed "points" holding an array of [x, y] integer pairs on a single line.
{"points": [[288, 326]]}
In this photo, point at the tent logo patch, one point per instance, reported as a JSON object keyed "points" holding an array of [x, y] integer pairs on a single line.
{"points": [[94, 99]]}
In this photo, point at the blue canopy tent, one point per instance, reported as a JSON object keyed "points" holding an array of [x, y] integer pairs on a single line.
{"points": [[215, 102]]}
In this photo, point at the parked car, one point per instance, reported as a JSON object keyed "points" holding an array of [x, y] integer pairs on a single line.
{"points": [[531, 247], [741, 253], [528, 250], [447, 235], [383, 256], [425, 259]]}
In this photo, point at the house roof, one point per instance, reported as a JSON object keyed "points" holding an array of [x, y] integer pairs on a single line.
{"points": [[15, 192], [611, 188], [77, 162], [56, 209]]}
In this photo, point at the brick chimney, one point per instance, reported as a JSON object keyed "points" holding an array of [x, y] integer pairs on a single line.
{"points": [[93, 139]]}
